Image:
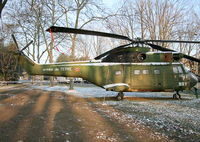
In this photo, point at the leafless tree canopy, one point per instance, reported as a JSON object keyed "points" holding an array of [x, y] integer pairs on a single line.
{"points": [[149, 19]]}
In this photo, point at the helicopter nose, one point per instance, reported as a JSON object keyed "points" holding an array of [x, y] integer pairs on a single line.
{"points": [[193, 80]]}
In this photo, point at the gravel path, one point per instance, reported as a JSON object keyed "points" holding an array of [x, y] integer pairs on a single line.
{"points": [[40, 113]]}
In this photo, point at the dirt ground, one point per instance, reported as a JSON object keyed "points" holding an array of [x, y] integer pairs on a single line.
{"points": [[36, 115]]}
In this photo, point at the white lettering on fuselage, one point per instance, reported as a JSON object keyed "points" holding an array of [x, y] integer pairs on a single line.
{"points": [[58, 69], [47, 69], [66, 69]]}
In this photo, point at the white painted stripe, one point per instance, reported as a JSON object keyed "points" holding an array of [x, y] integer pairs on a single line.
{"points": [[112, 64], [75, 62]]}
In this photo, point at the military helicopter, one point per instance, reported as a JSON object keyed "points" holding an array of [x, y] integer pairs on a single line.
{"points": [[127, 68]]}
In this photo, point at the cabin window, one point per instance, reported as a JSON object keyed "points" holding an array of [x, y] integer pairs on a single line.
{"points": [[175, 69], [156, 71], [136, 72], [145, 71], [118, 72]]}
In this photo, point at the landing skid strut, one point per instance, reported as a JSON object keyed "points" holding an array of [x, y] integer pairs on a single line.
{"points": [[176, 95], [120, 96]]}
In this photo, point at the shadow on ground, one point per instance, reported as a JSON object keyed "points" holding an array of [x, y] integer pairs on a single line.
{"points": [[36, 115]]}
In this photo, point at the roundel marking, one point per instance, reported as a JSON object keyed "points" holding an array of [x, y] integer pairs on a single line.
{"points": [[77, 69]]}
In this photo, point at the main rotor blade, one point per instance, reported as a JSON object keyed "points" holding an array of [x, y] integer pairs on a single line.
{"points": [[175, 41], [166, 49], [112, 50], [15, 41], [191, 58], [158, 47], [27, 45], [86, 32]]}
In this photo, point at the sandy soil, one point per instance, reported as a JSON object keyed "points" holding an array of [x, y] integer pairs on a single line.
{"points": [[38, 115]]}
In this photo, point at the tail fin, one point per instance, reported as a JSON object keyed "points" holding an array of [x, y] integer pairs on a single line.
{"points": [[24, 60]]}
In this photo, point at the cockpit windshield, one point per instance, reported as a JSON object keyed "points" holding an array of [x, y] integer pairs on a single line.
{"points": [[186, 69]]}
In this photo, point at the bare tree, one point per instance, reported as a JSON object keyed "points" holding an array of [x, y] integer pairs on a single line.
{"points": [[161, 17], [152, 19], [28, 21], [84, 48], [83, 12], [140, 16], [123, 21], [190, 30], [53, 10], [8, 63], [31, 21]]}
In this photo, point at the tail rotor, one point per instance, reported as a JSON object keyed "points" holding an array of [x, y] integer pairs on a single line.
{"points": [[20, 51]]}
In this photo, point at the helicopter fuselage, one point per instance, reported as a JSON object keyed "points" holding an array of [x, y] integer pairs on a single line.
{"points": [[121, 77], [126, 68]]}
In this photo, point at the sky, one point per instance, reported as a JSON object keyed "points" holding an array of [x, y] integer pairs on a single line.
{"points": [[109, 3]]}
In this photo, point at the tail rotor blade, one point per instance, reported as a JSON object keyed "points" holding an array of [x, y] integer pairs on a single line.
{"points": [[18, 46], [26, 46], [15, 41]]}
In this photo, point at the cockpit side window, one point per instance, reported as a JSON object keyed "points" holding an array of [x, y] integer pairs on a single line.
{"points": [[186, 69], [177, 69], [180, 69]]}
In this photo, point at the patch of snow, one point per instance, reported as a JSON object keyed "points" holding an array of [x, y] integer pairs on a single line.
{"points": [[182, 117], [85, 92]]}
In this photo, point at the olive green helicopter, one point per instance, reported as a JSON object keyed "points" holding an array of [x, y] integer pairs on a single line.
{"points": [[127, 68]]}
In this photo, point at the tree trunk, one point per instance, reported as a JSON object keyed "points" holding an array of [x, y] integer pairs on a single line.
{"points": [[51, 81], [51, 44], [41, 79], [73, 48], [4, 76], [71, 83], [33, 79], [51, 61], [38, 40], [2, 4]]}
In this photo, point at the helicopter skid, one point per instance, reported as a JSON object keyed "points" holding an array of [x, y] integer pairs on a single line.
{"points": [[120, 96], [176, 96]]}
